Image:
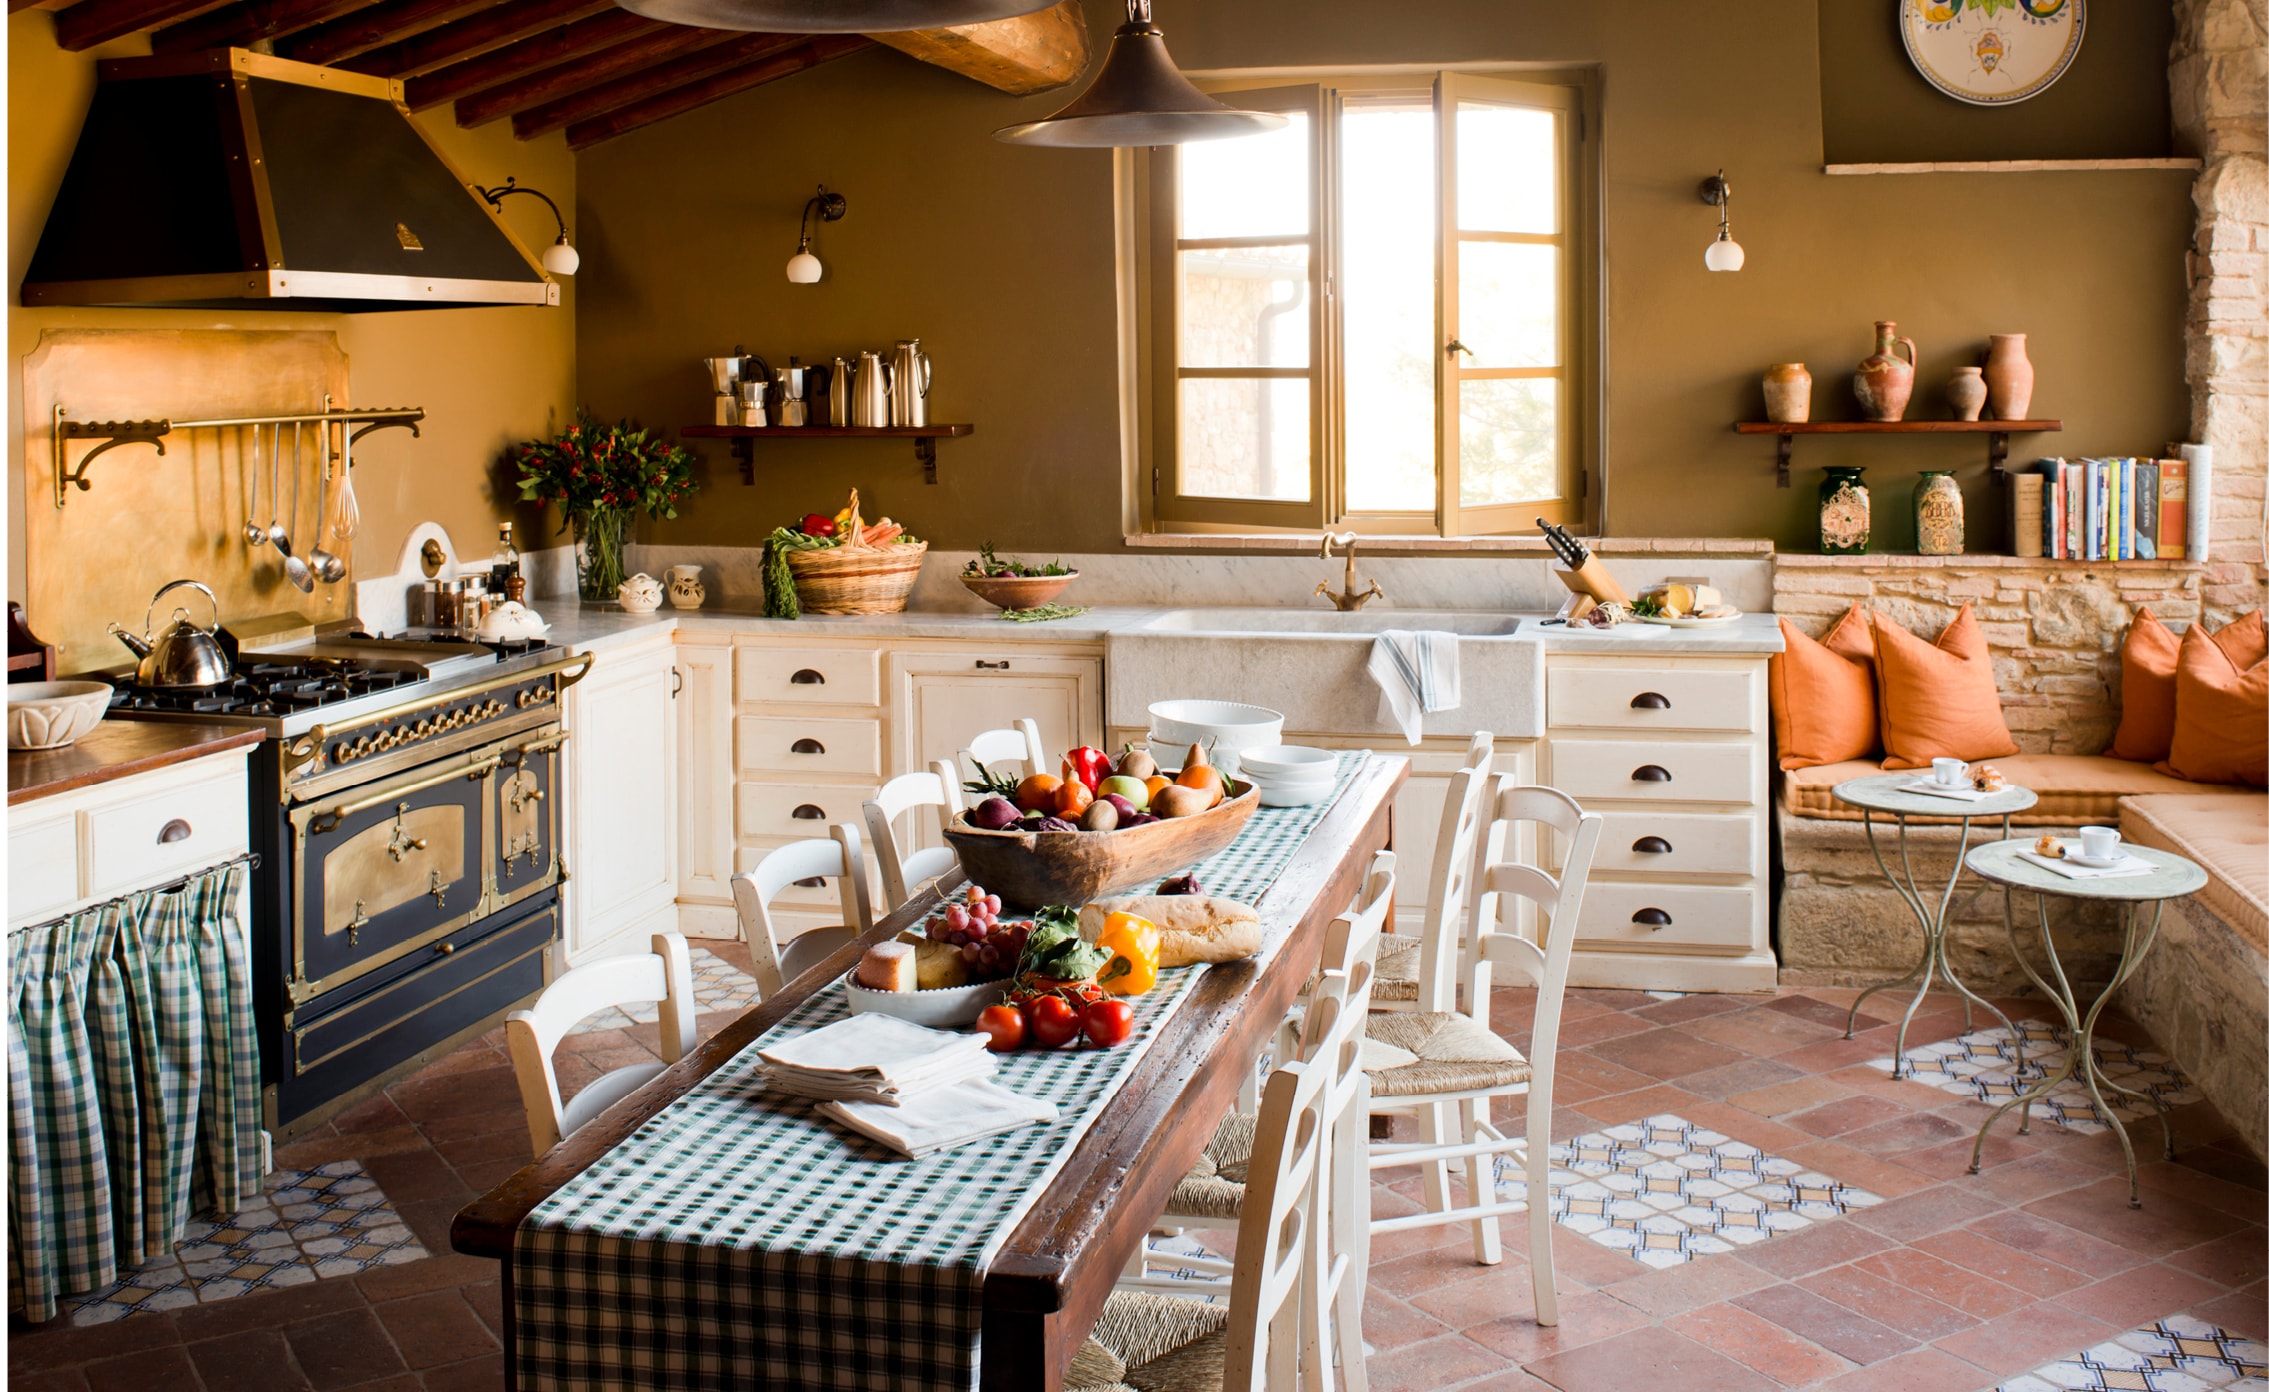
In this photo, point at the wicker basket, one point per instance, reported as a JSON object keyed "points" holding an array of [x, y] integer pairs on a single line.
{"points": [[868, 580]]}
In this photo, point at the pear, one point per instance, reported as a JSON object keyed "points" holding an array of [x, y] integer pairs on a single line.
{"points": [[1136, 763], [1196, 757]]}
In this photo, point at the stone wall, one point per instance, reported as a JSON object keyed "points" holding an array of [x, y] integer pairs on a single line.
{"points": [[2203, 993]]}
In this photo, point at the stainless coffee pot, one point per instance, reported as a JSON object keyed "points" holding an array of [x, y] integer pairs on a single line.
{"points": [[871, 391], [910, 379], [839, 389], [790, 385]]}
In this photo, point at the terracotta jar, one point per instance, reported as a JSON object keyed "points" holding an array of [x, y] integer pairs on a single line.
{"points": [[1885, 380], [1844, 520], [1938, 513], [1788, 393], [1965, 392], [2008, 377]]}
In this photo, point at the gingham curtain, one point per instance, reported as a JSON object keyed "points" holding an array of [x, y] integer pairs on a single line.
{"points": [[133, 1080]]}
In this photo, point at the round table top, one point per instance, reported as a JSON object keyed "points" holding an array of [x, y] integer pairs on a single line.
{"points": [[1880, 792], [2171, 876]]}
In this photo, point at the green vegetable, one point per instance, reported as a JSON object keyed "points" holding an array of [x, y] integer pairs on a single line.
{"points": [[1056, 949], [1042, 613], [1646, 606], [779, 581], [990, 784]]}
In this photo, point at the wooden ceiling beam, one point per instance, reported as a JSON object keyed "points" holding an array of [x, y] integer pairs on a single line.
{"points": [[372, 26], [1027, 54], [472, 36], [562, 79], [99, 21], [245, 23], [738, 51], [525, 56], [679, 100]]}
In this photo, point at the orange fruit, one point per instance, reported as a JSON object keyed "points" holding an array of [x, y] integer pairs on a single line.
{"points": [[1072, 798], [1206, 779], [1038, 793], [1152, 784]]}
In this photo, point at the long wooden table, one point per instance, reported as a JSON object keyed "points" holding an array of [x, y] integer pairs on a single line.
{"points": [[1048, 1282]]}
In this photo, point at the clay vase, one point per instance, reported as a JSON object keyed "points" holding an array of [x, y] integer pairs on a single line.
{"points": [[1788, 393], [1885, 381], [2008, 377], [1966, 392]]}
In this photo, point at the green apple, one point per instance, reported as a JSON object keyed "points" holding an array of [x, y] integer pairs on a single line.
{"points": [[1132, 789]]}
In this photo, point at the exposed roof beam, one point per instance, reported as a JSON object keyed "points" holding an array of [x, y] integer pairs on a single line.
{"points": [[471, 36], [1027, 54], [680, 100], [245, 23], [548, 84], [99, 21], [526, 56], [371, 26], [735, 52]]}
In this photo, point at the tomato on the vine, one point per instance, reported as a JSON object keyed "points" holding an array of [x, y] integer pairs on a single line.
{"points": [[1004, 1027], [1053, 1021], [1108, 1022]]}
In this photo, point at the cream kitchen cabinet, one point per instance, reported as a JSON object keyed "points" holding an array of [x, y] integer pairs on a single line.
{"points": [[71, 849], [623, 809], [941, 697]]}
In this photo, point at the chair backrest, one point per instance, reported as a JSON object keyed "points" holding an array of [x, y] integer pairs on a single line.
{"points": [[1289, 1167], [1559, 903], [838, 857], [903, 870], [663, 977], [1019, 744], [1450, 884]]}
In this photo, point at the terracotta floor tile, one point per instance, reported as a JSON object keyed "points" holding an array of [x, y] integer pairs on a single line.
{"points": [[373, 1113], [2163, 1224], [1810, 1315], [257, 1360], [1690, 1008], [342, 1349], [2230, 1262], [1869, 1172], [162, 1367], [2142, 1294], [2043, 1237], [1812, 1249], [484, 1374], [435, 1329], [1831, 1054], [1389, 1323], [1665, 1053], [36, 1349], [267, 1310], [1969, 1291], [1846, 1114], [1689, 1285], [1747, 1035], [1743, 1077], [1512, 1380], [1831, 1014], [1760, 1344], [71, 1380], [1644, 1102], [487, 1300], [1867, 1078], [1951, 1161], [426, 1099], [416, 1177], [1611, 998], [1909, 1131], [444, 1268], [1431, 1365], [1649, 1357], [1781, 1099], [1924, 1370], [1598, 1073], [2023, 1340], [2246, 1313], [1585, 1317], [2196, 1186], [1488, 1293], [1589, 1034], [1888, 1303], [2034, 1177], [2033, 1275], [1926, 1211]]}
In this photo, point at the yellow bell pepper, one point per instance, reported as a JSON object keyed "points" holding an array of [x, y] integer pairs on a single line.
{"points": [[1133, 943]]}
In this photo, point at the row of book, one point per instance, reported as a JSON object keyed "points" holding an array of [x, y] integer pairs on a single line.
{"points": [[2103, 509]]}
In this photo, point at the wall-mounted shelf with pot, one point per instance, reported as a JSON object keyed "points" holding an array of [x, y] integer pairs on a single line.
{"points": [[744, 438], [1997, 433]]}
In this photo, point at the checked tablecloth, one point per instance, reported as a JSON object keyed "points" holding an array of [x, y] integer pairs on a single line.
{"points": [[737, 1241]]}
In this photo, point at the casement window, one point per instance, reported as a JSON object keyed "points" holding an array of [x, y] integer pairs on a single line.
{"points": [[1382, 314]]}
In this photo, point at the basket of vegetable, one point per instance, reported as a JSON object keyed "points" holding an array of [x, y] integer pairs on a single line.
{"points": [[1014, 584], [840, 565]]}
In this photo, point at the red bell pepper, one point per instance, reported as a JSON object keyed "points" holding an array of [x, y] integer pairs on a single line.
{"points": [[1089, 765]]}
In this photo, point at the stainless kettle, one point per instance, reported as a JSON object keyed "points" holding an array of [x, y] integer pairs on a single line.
{"points": [[870, 391], [910, 384], [184, 655]]}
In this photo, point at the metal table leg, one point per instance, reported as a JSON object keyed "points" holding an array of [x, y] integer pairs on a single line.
{"points": [[1933, 924]]}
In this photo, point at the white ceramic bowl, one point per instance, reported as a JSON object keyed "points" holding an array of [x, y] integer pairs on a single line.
{"points": [[946, 1008], [512, 621], [1226, 728], [1287, 761], [49, 715]]}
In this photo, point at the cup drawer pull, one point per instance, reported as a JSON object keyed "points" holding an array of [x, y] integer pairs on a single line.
{"points": [[808, 745], [805, 676], [1650, 845], [810, 812], [1650, 700], [1651, 918], [175, 830], [1650, 773]]}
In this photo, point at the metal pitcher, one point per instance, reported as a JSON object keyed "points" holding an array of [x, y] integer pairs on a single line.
{"points": [[871, 391], [910, 372], [839, 393]]}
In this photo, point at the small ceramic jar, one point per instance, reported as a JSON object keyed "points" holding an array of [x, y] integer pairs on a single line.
{"points": [[640, 594], [1965, 392], [685, 587], [1938, 513], [1788, 393]]}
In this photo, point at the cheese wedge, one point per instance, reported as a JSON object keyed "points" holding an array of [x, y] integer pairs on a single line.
{"points": [[889, 966]]}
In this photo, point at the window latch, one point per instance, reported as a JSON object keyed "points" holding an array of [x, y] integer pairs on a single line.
{"points": [[1457, 347]]}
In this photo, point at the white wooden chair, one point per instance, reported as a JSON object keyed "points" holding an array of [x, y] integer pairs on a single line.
{"points": [[1447, 1063], [1018, 744], [903, 871], [1399, 953], [837, 857], [663, 976]]}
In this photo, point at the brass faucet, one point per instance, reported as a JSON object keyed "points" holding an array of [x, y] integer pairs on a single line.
{"points": [[1347, 601]]}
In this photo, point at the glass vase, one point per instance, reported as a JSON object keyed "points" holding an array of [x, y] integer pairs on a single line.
{"points": [[598, 554], [1844, 520]]}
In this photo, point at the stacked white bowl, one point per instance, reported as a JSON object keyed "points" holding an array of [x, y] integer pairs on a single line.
{"points": [[1226, 728], [1291, 775]]}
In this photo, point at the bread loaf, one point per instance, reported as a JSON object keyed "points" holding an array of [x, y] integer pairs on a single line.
{"points": [[889, 966], [1192, 928]]}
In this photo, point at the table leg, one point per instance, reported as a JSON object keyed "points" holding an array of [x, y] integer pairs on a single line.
{"points": [[1933, 924]]}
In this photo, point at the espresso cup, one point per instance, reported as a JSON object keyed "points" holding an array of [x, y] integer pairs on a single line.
{"points": [[1948, 773], [2099, 842]]}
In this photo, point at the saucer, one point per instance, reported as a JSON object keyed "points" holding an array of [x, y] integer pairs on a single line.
{"points": [[2087, 862]]}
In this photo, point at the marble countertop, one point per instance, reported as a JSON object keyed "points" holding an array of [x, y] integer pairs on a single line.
{"points": [[1748, 635]]}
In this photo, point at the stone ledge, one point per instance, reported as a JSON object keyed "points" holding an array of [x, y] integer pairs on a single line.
{"points": [[2023, 166], [1983, 560], [1282, 543]]}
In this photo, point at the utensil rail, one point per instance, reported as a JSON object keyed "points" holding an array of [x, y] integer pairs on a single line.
{"points": [[113, 433]]}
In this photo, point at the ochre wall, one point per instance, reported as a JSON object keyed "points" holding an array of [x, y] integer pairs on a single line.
{"points": [[1001, 260], [486, 377]]}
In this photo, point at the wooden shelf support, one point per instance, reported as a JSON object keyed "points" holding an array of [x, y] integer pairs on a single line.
{"points": [[742, 439], [1996, 432]]}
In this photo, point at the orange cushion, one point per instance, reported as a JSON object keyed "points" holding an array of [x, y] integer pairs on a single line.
{"points": [[2073, 789], [1824, 693], [2146, 680], [2221, 716], [2228, 836], [1938, 699]]}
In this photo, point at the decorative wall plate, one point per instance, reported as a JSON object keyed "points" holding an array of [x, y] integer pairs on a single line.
{"points": [[1992, 52]]}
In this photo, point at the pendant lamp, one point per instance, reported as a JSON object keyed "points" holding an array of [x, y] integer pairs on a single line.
{"points": [[831, 16], [1139, 97]]}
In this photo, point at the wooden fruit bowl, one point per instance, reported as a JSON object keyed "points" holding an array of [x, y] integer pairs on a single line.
{"points": [[1017, 591], [1031, 869]]}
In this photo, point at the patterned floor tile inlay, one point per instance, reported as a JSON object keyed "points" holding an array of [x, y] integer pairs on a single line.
{"points": [[1667, 1191], [1983, 1064], [2178, 1354], [1163, 1250], [717, 985], [330, 1221]]}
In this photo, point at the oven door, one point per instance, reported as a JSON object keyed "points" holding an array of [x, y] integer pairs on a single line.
{"points": [[525, 847]]}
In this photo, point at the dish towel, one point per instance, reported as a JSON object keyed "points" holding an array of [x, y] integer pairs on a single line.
{"points": [[1418, 671], [874, 1058], [942, 1118]]}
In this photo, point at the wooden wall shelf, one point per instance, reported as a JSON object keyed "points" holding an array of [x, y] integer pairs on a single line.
{"points": [[1997, 433], [744, 438]]}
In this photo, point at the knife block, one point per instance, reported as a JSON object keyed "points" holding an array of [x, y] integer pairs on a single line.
{"points": [[1593, 580]]}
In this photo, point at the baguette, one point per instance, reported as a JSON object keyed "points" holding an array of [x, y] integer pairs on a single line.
{"points": [[1192, 928]]}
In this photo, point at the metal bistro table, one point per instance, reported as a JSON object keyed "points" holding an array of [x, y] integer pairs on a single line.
{"points": [[1883, 792], [2171, 877]]}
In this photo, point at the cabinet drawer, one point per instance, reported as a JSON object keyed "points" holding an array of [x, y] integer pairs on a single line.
{"points": [[128, 846], [1677, 843], [1656, 771], [814, 676], [43, 869], [809, 744], [1668, 916], [792, 810], [1653, 698]]}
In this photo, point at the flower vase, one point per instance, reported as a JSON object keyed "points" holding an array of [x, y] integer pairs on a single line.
{"points": [[598, 554]]}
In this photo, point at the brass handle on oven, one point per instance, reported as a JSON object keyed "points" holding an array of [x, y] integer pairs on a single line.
{"points": [[298, 753], [175, 830], [1651, 918], [807, 745], [329, 820], [444, 948], [1650, 700], [524, 794], [1651, 845], [1650, 773]]}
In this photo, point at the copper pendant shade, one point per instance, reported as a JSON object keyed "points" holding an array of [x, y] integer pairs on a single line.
{"points": [[831, 16], [1139, 97]]}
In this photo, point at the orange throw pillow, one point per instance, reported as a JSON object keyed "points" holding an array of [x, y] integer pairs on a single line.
{"points": [[2221, 715], [2147, 680], [1938, 699], [1824, 693]]}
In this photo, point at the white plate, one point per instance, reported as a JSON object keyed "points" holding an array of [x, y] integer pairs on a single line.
{"points": [[2086, 862], [1688, 622], [940, 1009]]}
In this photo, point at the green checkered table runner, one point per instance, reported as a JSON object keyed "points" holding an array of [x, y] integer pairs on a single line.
{"points": [[736, 1240]]}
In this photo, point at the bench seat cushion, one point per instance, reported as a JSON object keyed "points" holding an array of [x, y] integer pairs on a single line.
{"points": [[2074, 789], [2227, 835]]}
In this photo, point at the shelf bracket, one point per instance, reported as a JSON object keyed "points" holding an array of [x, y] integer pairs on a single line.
{"points": [[1782, 450], [744, 450], [1997, 452], [111, 433], [926, 454]]}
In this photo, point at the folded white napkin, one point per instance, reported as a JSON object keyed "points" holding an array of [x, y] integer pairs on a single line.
{"points": [[1417, 669], [874, 1058], [942, 1118], [2127, 865], [1960, 792]]}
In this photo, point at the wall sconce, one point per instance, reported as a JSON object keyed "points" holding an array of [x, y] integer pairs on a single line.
{"points": [[803, 267], [1724, 254], [559, 258]]}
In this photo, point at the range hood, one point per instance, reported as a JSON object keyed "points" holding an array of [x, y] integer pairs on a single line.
{"points": [[232, 179]]}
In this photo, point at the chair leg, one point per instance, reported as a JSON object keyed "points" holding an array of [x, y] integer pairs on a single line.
{"points": [[1540, 1269], [1481, 1183], [1434, 1123]]}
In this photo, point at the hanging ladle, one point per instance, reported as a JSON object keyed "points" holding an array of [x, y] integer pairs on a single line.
{"points": [[255, 535], [329, 569], [295, 569]]}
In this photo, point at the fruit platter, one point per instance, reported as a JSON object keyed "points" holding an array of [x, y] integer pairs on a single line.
{"points": [[1099, 826], [1014, 584]]}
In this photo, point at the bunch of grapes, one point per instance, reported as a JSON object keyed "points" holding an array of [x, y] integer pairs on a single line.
{"points": [[974, 925]]}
